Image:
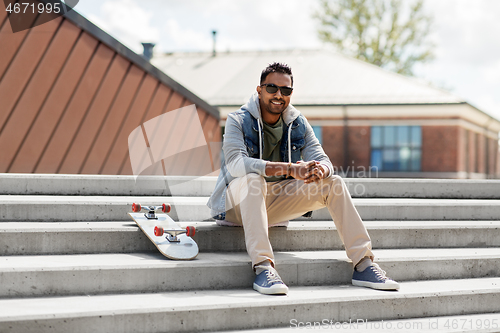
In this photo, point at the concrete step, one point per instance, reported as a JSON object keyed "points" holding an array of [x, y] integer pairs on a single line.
{"points": [[52, 208], [237, 309], [322, 235], [103, 185], [50, 184], [28, 208], [485, 322], [25, 238], [27, 276]]}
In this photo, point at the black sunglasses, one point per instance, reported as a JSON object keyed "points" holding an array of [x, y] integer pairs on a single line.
{"points": [[272, 89]]}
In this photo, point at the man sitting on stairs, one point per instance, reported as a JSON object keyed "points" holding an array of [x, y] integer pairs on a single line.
{"points": [[274, 170]]}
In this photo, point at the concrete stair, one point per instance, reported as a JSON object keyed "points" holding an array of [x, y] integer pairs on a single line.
{"points": [[71, 260], [32, 238], [243, 308], [90, 274], [466, 323]]}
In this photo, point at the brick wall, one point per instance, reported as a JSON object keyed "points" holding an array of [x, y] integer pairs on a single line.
{"points": [[493, 157], [444, 149], [333, 144], [472, 152], [440, 148], [359, 146], [497, 163], [481, 153], [462, 150]]}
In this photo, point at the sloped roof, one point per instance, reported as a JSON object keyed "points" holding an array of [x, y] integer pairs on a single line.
{"points": [[71, 95], [321, 77]]}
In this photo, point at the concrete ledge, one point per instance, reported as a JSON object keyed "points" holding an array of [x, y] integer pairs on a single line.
{"points": [[246, 309], [423, 188], [94, 208], [55, 184], [464, 323], [39, 238], [124, 237], [318, 235], [421, 209], [118, 273], [24, 208]]}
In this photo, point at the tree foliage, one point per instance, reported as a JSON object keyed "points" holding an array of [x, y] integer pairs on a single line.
{"points": [[392, 34]]}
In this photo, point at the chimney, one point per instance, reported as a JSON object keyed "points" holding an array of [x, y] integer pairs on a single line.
{"points": [[214, 53], [148, 50]]}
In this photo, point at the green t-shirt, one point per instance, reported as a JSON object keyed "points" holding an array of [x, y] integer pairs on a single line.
{"points": [[272, 140]]}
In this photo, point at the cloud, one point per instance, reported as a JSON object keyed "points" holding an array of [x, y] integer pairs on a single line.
{"points": [[467, 30], [241, 25], [128, 22], [184, 38], [491, 73]]}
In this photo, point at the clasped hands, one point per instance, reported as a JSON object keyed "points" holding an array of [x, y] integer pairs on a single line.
{"points": [[309, 172]]}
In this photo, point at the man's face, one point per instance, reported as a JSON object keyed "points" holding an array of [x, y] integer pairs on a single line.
{"points": [[276, 103]]}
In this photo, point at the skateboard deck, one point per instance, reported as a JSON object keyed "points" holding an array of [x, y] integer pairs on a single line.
{"points": [[169, 238]]}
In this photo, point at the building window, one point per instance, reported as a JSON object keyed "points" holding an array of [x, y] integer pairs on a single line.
{"points": [[318, 132], [396, 148]]}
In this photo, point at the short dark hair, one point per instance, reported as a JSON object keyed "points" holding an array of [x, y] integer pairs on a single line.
{"points": [[276, 67]]}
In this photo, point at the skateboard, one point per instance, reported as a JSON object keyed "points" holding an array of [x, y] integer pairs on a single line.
{"points": [[169, 238]]}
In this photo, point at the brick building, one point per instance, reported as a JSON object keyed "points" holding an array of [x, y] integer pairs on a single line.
{"points": [[371, 122], [70, 95]]}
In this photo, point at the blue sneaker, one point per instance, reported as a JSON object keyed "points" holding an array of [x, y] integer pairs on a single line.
{"points": [[374, 277], [269, 282]]}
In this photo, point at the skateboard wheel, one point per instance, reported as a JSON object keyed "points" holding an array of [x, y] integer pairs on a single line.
{"points": [[158, 231], [166, 208], [136, 207], [190, 231]]}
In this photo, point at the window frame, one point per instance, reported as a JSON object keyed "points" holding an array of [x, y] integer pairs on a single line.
{"points": [[398, 148]]}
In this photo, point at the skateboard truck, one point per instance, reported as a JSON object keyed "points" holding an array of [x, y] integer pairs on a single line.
{"points": [[151, 214], [159, 231], [172, 234]]}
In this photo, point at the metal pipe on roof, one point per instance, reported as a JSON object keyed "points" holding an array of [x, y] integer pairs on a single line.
{"points": [[148, 50], [214, 33]]}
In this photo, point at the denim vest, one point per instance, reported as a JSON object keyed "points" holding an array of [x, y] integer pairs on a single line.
{"points": [[251, 134]]}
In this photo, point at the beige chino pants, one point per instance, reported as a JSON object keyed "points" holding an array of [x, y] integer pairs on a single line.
{"points": [[256, 204]]}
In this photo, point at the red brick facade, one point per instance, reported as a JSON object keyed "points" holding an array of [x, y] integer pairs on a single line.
{"points": [[440, 148], [333, 144], [445, 149], [358, 144]]}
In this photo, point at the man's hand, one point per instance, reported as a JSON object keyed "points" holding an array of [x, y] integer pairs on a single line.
{"points": [[309, 172], [302, 170]]}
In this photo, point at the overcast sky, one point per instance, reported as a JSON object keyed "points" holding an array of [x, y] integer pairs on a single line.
{"points": [[466, 34]]}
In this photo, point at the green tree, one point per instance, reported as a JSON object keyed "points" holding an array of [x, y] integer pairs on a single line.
{"points": [[392, 34]]}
